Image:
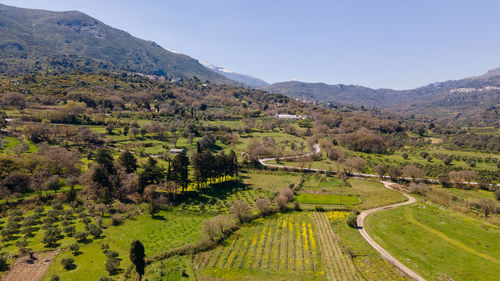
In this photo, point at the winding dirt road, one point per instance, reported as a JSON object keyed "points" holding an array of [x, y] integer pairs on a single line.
{"points": [[361, 223], [361, 218]]}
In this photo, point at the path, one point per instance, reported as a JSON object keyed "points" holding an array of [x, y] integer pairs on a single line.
{"points": [[361, 218], [361, 223]]}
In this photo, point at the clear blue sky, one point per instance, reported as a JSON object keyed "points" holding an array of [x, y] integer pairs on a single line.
{"points": [[377, 43]]}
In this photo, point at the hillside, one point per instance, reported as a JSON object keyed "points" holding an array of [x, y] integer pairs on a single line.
{"points": [[238, 77], [34, 40], [470, 99]]}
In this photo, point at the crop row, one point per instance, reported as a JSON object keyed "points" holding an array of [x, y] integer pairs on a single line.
{"points": [[285, 243], [338, 265]]}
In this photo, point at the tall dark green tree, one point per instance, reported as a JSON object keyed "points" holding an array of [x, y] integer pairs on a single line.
{"points": [[180, 170], [151, 174], [128, 161], [103, 157], [137, 257]]}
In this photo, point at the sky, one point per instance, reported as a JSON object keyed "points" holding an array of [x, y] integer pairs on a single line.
{"points": [[399, 44]]}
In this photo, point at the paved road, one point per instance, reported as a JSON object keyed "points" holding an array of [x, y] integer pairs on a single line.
{"points": [[382, 251]]}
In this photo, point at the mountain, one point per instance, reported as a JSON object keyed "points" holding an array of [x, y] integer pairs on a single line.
{"points": [[242, 78], [39, 40], [474, 98]]}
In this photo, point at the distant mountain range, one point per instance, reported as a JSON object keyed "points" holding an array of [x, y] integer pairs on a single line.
{"points": [[38, 40], [238, 77], [475, 98]]}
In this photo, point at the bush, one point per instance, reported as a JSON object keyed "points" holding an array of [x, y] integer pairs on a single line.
{"points": [[319, 209], [116, 219], [81, 236], [264, 206], [287, 193], [296, 206], [112, 266], [111, 254], [55, 278], [3, 263], [68, 263], [352, 221], [218, 227], [280, 202], [497, 194], [241, 210], [420, 188], [74, 248], [106, 278]]}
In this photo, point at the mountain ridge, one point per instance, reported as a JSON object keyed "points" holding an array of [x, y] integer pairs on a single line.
{"points": [[34, 40]]}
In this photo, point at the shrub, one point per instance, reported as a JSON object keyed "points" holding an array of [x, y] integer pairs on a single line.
{"points": [[241, 210], [287, 193], [106, 278], [352, 221], [74, 248], [116, 219], [51, 236], [68, 263], [420, 188], [280, 202], [319, 209], [69, 230], [94, 230], [112, 266], [111, 254], [264, 206], [497, 194], [55, 278], [81, 236], [296, 206], [3, 263], [218, 227], [104, 247]]}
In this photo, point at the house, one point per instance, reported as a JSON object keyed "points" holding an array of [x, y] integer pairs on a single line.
{"points": [[290, 116], [176, 150]]}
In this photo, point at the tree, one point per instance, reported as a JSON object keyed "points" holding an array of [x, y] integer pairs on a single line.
{"points": [[468, 175], [264, 206], [413, 172], [52, 235], [287, 193], [354, 163], [280, 202], [488, 206], [68, 263], [394, 173], [105, 158], [180, 170], [151, 174], [74, 248], [241, 210], [380, 170], [128, 161], [137, 257], [112, 265]]}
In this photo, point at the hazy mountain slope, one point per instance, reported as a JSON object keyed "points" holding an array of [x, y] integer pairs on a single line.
{"points": [[475, 97], [34, 40], [239, 77]]}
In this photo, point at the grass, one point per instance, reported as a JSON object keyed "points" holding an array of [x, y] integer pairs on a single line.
{"points": [[327, 199], [438, 243], [374, 194], [270, 181], [167, 231]]}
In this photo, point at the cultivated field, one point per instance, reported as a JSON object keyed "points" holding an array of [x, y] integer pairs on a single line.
{"points": [[285, 245]]}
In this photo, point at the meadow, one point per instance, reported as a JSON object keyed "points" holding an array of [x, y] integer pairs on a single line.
{"points": [[437, 242]]}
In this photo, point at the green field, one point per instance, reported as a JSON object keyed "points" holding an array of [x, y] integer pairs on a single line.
{"points": [[327, 199], [438, 243]]}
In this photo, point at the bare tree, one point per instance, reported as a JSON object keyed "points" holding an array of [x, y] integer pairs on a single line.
{"points": [[241, 210]]}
